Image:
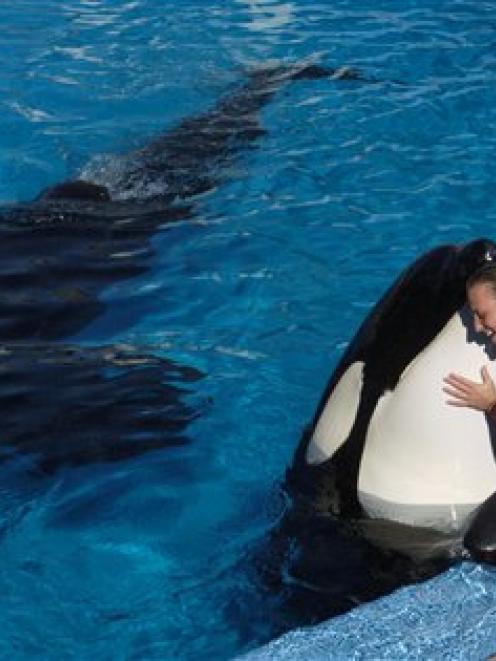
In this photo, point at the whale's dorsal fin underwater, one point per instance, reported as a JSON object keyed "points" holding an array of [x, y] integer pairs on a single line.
{"points": [[384, 444]]}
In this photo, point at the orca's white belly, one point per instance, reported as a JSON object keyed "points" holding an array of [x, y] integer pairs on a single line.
{"points": [[426, 462]]}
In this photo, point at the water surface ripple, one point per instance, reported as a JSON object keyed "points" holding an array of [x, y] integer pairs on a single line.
{"points": [[203, 344]]}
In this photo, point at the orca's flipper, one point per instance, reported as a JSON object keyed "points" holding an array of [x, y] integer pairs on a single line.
{"points": [[480, 538], [76, 190]]}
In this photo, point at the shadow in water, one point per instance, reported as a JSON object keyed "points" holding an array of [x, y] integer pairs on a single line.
{"points": [[52, 272], [65, 405]]}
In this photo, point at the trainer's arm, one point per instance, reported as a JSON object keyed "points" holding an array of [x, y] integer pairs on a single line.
{"points": [[464, 392]]}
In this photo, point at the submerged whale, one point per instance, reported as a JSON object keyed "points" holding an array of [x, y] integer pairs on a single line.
{"points": [[69, 404], [59, 251], [196, 155], [64, 404], [385, 451]]}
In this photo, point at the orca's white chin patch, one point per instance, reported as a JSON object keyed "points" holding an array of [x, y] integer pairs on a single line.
{"points": [[424, 462], [338, 416]]}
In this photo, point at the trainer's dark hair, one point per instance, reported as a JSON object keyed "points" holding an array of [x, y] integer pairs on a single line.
{"points": [[486, 274]]}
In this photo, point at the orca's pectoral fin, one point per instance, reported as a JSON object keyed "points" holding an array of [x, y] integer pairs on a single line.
{"points": [[480, 538]]}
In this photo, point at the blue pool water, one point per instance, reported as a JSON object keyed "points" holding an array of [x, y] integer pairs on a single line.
{"points": [[257, 290]]}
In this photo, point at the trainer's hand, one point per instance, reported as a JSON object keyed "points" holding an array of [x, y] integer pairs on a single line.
{"points": [[480, 396]]}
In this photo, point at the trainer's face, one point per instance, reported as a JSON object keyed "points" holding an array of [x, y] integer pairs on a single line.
{"points": [[481, 298]]}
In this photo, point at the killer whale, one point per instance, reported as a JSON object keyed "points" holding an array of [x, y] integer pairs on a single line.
{"points": [[336, 544], [383, 445], [60, 250], [194, 156]]}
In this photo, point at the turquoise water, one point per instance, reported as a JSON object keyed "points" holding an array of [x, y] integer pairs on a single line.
{"points": [[259, 290]]}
